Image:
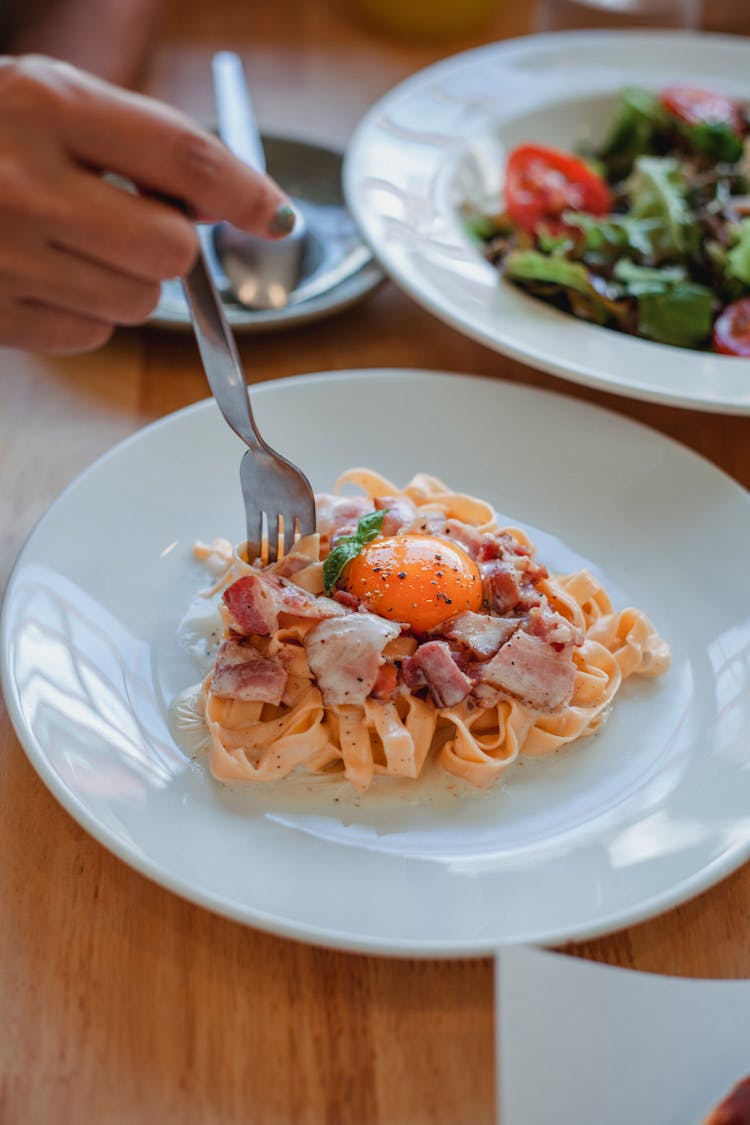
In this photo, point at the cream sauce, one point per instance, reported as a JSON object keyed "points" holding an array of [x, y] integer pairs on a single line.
{"points": [[201, 630], [305, 792]]}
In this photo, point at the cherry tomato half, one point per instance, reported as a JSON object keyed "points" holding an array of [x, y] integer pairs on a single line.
{"points": [[698, 107], [732, 329], [541, 183]]}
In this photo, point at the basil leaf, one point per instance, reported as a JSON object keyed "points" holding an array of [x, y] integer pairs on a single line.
{"points": [[347, 548], [337, 559], [369, 527]]}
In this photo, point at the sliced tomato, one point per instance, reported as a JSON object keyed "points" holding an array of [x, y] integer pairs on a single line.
{"points": [[702, 107], [541, 183], [732, 329]]}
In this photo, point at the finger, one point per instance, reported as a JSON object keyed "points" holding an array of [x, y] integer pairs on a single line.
{"points": [[72, 283], [37, 328], [164, 151], [142, 237]]}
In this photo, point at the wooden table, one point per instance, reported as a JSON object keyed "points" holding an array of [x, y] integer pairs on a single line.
{"points": [[119, 1002]]}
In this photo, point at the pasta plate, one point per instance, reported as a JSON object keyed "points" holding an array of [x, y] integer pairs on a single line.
{"points": [[440, 140], [619, 826]]}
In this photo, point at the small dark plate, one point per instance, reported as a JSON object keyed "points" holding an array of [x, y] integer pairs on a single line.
{"points": [[338, 269]]}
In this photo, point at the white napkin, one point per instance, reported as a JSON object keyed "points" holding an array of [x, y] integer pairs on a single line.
{"points": [[586, 1044]]}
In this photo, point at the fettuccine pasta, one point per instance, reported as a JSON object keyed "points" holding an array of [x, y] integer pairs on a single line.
{"points": [[410, 625]]}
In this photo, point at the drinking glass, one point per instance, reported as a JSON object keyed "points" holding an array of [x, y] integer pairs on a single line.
{"points": [[563, 15]]}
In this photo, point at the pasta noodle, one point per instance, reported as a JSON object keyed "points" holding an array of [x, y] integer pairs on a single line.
{"points": [[354, 677]]}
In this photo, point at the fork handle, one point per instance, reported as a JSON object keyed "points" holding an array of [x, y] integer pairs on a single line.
{"points": [[218, 351]]}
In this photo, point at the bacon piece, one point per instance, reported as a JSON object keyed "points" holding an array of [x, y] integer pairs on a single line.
{"points": [[339, 515], [256, 600], [479, 633], [502, 584], [345, 655], [301, 603], [533, 571], [252, 605], [401, 512], [427, 523], [433, 664], [507, 549], [295, 560], [552, 627], [411, 675], [529, 669], [241, 672], [529, 598], [349, 601], [502, 545], [465, 535], [386, 683]]}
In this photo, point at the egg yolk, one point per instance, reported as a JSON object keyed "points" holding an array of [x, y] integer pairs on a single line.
{"points": [[417, 579]]}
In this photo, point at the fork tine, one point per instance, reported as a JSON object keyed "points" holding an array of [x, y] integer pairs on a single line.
{"points": [[279, 498], [254, 534], [274, 520], [291, 524]]}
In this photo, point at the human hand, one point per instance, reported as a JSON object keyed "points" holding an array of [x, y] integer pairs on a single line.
{"points": [[79, 255]]}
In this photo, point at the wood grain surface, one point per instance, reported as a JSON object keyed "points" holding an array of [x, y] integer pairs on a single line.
{"points": [[119, 1002]]}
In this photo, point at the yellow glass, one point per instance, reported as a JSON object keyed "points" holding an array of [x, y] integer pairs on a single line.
{"points": [[425, 19]]}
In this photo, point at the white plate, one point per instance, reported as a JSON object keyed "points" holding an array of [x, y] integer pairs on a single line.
{"points": [[613, 830], [442, 137], [668, 1050]]}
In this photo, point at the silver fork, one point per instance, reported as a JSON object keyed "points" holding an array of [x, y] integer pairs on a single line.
{"points": [[279, 502]]}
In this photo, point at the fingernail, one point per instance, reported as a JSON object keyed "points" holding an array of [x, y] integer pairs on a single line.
{"points": [[283, 220]]}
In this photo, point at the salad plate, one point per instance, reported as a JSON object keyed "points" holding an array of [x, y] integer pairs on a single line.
{"points": [[439, 142], [619, 826]]}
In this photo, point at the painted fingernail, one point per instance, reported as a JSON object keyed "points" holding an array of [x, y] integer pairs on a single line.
{"points": [[283, 220]]}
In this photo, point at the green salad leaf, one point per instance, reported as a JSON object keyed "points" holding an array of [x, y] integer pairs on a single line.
{"points": [[737, 261], [716, 140], [638, 120], [614, 233], [679, 314], [536, 270], [556, 244], [482, 225], [657, 189], [531, 265], [348, 547], [647, 279]]}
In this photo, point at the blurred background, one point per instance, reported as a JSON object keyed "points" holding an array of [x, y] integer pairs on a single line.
{"points": [[387, 38]]}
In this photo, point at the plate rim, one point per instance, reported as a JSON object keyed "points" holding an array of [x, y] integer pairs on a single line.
{"points": [[708, 876]]}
